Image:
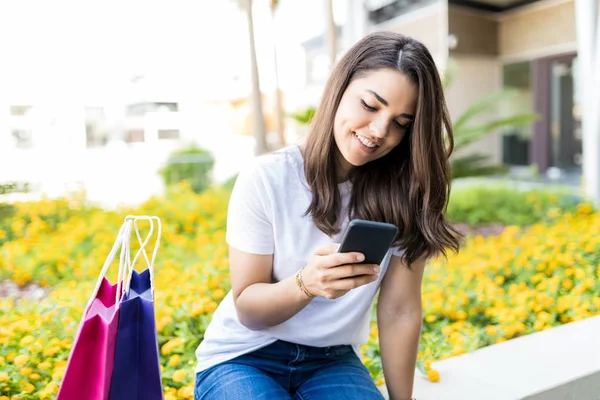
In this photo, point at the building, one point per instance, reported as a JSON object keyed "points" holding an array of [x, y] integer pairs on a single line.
{"points": [[529, 46]]}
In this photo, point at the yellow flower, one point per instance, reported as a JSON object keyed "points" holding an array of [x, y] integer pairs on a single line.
{"points": [[433, 375], [491, 330], [51, 388], [3, 376], [26, 340], [21, 360], [567, 284], [178, 375], [44, 365], [427, 364], [171, 345], [174, 360], [28, 387], [187, 392], [430, 318]]}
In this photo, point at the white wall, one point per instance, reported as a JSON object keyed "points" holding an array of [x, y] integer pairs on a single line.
{"points": [[476, 77]]}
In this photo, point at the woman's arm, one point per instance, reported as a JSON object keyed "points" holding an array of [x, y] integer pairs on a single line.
{"points": [[399, 319], [260, 303]]}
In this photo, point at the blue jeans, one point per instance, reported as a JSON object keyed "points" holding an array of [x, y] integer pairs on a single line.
{"points": [[285, 371]]}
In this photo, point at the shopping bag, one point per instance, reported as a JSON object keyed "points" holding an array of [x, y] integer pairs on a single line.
{"points": [[136, 374], [90, 364]]}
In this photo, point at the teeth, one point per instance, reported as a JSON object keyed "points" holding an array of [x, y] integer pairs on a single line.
{"points": [[365, 141]]}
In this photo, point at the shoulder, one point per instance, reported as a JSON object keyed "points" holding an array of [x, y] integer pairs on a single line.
{"points": [[276, 168]]}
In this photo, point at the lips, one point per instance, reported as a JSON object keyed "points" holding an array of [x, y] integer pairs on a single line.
{"points": [[365, 141], [365, 144]]}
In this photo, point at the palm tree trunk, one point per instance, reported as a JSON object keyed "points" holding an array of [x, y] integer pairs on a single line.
{"points": [[278, 101], [331, 32], [258, 122]]}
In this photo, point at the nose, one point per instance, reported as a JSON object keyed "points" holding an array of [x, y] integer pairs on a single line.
{"points": [[378, 129]]}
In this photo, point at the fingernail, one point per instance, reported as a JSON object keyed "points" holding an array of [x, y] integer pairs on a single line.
{"points": [[376, 269], [360, 257]]}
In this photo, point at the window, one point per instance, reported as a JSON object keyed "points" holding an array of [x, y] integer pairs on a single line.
{"points": [[96, 130], [168, 133], [134, 136], [140, 109], [380, 11], [516, 140]]}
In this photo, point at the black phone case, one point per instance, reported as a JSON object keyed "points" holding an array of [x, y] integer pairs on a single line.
{"points": [[373, 239]]}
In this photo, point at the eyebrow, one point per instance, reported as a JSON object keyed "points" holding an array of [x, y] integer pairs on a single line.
{"points": [[385, 103]]}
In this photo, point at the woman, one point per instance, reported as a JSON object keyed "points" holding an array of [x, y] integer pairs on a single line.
{"points": [[292, 324]]}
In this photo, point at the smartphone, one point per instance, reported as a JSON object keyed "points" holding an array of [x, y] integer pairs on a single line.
{"points": [[373, 239]]}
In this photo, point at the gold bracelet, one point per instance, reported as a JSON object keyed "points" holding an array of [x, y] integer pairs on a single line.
{"points": [[300, 284]]}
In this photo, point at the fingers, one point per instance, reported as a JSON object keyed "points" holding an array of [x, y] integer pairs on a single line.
{"points": [[337, 259], [352, 283], [351, 270]]}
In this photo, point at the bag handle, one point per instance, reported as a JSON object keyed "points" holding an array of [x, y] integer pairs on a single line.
{"points": [[143, 244], [124, 231]]}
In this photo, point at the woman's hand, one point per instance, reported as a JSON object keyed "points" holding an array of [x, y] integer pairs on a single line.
{"points": [[331, 274]]}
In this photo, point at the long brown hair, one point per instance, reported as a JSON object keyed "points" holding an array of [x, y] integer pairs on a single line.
{"points": [[410, 186]]}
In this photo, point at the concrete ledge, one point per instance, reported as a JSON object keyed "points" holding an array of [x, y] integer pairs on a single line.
{"points": [[562, 363]]}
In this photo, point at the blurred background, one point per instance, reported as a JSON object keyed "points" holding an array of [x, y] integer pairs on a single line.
{"points": [[105, 96], [152, 108]]}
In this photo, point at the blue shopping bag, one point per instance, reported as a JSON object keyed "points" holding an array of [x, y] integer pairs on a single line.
{"points": [[136, 373]]}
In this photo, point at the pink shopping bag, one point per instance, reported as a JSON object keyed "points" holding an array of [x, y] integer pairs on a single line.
{"points": [[90, 365]]}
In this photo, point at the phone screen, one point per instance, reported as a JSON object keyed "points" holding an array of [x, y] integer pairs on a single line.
{"points": [[373, 239]]}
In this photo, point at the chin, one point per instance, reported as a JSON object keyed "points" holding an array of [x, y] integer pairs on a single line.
{"points": [[355, 160]]}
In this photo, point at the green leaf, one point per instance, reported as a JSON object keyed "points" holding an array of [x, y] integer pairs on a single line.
{"points": [[482, 105], [465, 136]]}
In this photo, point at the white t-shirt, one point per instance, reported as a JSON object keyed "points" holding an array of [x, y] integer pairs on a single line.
{"points": [[266, 216]]}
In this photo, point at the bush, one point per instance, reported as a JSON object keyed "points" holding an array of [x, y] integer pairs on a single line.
{"points": [[14, 187], [496, 289], [498, 203], [229, 183], [191, 164], [499, 288]]}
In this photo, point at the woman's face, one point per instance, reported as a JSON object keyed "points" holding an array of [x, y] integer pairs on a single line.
{"points": [[373, 116]]}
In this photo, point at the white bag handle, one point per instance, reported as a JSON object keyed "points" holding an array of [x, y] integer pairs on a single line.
{"points": [[124, 232], [142, 249]]}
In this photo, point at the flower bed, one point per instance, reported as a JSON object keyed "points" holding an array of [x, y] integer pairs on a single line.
{"points": [[497, 288]]}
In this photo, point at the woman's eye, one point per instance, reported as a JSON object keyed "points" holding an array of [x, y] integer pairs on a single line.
{"points": [[399, 125], [368, 107]]}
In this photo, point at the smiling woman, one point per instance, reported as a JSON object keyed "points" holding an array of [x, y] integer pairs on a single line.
{"points": [[381, 125], [298, 310]]}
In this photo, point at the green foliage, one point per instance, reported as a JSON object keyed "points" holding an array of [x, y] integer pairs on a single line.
{"points": [[6, 212], [13, 187], [228, 184], [499, 203], [191, 164], [474, 165], [467, 131], [304, 116]]}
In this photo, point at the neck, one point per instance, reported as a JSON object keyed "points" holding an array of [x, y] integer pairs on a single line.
{"points": [[343, 168]]}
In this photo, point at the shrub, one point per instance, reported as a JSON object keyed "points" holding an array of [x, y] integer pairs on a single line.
{"points": [[191, 164], [500, 203], [498, 288]]}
